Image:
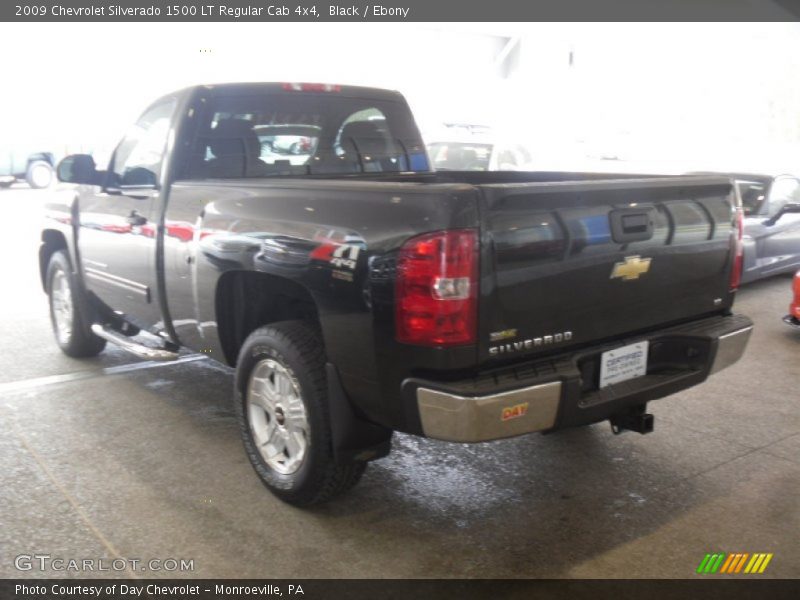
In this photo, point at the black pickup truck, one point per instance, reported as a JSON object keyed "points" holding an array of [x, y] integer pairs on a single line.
{"points": [[297, 233]]}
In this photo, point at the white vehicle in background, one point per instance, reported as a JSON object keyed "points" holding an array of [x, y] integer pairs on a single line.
{"points": [[26, 163], [288, 139], [464, 147]]}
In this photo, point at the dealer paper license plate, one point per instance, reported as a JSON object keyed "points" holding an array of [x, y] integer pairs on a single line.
{"points": [[623, 363]]}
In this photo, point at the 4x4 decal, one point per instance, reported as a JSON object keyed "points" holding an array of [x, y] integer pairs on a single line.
{"points": [[342, 256]]}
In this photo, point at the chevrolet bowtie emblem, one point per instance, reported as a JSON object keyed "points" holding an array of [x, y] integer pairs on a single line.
{"points": [[631, 268]]}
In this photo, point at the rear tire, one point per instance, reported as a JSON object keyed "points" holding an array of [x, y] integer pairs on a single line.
{"points": [[39, 175], [67, 304], [282, 408]]}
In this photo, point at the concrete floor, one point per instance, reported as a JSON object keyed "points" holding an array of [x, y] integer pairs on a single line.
{"points": [[148, 463]]}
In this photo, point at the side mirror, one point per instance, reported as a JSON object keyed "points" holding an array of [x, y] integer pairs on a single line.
{"points": [[139, 177], [77, 168], [789, 207]]}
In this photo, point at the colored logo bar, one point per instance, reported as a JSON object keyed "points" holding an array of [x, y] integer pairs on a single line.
{"points": [[734, 562]]}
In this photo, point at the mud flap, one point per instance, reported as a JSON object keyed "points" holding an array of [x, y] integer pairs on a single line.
{"points": [[353, 437]]}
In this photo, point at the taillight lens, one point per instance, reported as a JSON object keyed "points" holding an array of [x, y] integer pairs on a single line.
{"points": [[437, 289], [794, 307], [738, 257]]}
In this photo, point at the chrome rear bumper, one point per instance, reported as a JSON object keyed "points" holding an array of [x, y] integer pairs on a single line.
{"points": [[730, 348], [456, 418], [454, 413]]}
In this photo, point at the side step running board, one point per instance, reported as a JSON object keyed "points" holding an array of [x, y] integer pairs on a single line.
{"points": [[131, 346]]}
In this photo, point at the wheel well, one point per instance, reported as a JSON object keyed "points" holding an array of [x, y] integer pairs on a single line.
{"points": [[52, 241], [246, 301]]}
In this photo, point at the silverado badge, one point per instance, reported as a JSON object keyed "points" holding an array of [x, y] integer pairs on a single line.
{"points": [[631, 268]]}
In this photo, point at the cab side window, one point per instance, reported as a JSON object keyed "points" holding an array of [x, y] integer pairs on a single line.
{"points": [[137, 160]]}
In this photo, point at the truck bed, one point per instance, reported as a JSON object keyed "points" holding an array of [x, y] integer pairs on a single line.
{"points": [[560, 251]]}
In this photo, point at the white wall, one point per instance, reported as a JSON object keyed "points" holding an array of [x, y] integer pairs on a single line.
{"points": [[85, 82], [652, 90], [702, 93]]}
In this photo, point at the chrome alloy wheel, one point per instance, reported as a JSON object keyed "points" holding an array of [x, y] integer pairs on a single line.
{"points": [[277, 416], [61, 306]]}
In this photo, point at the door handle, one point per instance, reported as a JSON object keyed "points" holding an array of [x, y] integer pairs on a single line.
{"points": [[136, 219]]}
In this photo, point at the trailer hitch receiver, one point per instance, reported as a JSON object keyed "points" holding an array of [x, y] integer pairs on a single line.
{"points": [[633, 419]]}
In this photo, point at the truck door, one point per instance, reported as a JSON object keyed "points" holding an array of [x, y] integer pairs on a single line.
{"points": [[119, 222]]}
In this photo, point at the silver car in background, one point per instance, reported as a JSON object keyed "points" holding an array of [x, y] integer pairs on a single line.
{"points": [[771, 224]]}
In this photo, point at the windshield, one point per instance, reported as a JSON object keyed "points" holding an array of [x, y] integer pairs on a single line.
{"points": [[304, 134], [460, 156]]}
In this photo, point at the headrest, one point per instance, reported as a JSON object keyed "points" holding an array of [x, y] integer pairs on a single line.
{"points": [[364, 129], [234, 137], [233, 128]]}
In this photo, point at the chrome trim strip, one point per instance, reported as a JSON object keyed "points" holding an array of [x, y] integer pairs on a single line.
{"points": [[132, 346], [730, 348], [127, 284], [457, 418], [95, 263]]}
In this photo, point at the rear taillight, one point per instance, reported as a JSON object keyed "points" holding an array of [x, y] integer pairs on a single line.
{"points": [[738, 256], [437, 289]]}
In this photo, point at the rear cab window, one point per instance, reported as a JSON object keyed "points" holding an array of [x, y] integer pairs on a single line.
{"points": [[295, 133]]}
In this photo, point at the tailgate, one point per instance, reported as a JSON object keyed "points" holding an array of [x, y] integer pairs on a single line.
{"points": [[568, 264]]}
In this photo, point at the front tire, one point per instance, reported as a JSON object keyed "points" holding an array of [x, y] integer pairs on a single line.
{"points": [[67, 304], [39, 175], [282, 409]]}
